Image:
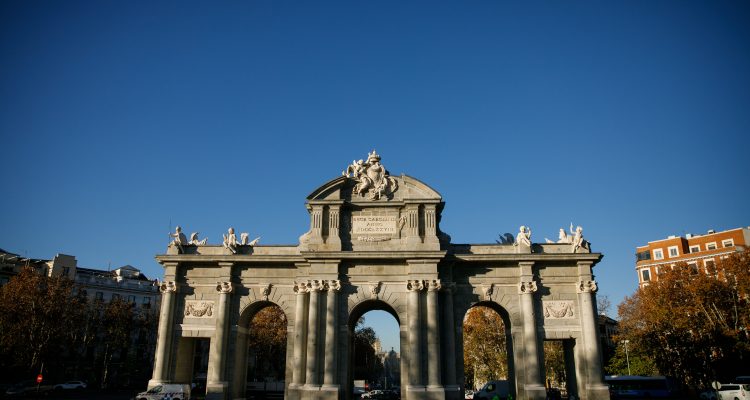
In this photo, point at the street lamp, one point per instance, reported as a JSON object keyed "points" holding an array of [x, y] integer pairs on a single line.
{"points": [[627, 359]]}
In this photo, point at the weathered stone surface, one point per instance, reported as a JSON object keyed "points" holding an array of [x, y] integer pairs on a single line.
{"points": [[367, 251]]}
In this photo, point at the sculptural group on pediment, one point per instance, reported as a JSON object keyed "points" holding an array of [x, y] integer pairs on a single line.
{"points": [[372, 179], [575, 239], [229, 240]]}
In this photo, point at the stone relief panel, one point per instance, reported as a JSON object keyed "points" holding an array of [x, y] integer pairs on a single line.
{"points": [[556, 309], [199, 309]]}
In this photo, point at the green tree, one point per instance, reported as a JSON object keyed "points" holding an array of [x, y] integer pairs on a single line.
{"points": [[367, 364]]}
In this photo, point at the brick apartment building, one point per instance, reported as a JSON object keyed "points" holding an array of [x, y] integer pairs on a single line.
{"points": [[699, 251]]}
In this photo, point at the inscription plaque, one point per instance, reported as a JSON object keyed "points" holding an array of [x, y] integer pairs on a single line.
{"points": [[374, 225]]}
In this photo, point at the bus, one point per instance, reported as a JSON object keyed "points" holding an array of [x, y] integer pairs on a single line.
{"points": [[633, 387]]}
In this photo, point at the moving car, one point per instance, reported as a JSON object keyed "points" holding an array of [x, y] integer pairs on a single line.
{"points": [[501, 389]]}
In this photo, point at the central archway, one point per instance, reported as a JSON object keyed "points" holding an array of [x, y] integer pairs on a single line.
{"points": [[354, 317]]}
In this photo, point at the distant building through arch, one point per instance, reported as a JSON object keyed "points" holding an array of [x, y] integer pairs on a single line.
{"points": [[375, 243]]}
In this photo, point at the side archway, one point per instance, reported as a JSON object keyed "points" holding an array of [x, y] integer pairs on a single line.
{"points": [[479, 340], [252, 362]]}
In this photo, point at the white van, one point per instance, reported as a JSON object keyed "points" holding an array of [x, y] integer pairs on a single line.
{"points": [[167, 391], [497, 390]]}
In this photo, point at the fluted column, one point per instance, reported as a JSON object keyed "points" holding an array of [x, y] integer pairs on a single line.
{"points": [[329, 377], [311, 377], [217, 352], [415, 332], [166, 325], [300, 334], [586, 290], [450, 335], [433, 334], [534, 386]]}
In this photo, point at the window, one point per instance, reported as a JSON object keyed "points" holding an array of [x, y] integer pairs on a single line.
{"points": [[727, 243], [693, 265], [99, 296], [673, 251], [644, 255], [3, 281], [66, 271], [115, 296], [645, 275], [711, 246], [658, 254], [131, 299], [695, 249], [146, 300]]}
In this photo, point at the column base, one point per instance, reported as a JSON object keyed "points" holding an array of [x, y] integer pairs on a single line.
{"points": [[217, 390], [535, 392]]}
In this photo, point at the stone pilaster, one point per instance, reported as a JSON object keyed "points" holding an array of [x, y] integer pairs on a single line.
{"points": [[329, 377], [316, 224], [415, 287], [166, 331], [430, 224], [334, 222], [534, 385], [433, 335], [313, 328], [216, 383], [300, 334], [412, 224]]}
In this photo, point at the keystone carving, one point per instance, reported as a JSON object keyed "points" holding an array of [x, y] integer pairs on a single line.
{"points": [[374, 289], [487, 291], [267, 291]]}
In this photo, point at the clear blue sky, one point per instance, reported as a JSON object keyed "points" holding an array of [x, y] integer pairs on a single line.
{"points": [[629, 118]]}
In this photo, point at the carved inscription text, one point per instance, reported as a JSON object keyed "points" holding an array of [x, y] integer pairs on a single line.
{"points": [[374, 225]]}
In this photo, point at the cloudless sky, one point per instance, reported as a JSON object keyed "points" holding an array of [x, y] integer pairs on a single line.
{"points": [[628, 118]]}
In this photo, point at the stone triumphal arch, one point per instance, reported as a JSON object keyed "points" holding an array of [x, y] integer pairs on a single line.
{"points": [[375, 243]]}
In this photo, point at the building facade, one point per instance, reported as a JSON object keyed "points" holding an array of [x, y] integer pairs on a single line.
{"points": [[699, 251], [375, 243]]}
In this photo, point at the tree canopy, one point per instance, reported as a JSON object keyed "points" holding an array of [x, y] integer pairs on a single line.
{"points": [[692, 322], [485, 350]]}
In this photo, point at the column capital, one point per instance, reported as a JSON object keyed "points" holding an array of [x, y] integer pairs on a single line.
{"points": [[168, 287], [315, 285], [528, 287], [415, 285], [224, 287], [300, 288], [587, 286], [333, 285], [433, 285]]}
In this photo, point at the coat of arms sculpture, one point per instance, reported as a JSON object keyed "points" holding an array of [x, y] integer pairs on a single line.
{"points": [[372, 178]]}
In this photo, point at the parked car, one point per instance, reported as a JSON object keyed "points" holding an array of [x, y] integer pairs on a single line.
{"points": [[728, 391], [174, 391], [501, 389], [468, 395], [70, 385], [24, 388]]}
